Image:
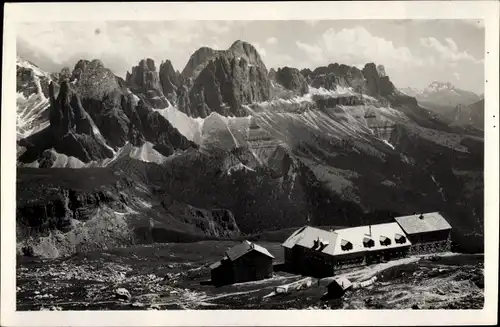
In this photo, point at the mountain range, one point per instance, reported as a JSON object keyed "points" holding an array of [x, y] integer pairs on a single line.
{"points": [[227, 148], [457, 106]]}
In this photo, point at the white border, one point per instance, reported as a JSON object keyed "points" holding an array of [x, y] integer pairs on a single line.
{"points": [[38, 12]]}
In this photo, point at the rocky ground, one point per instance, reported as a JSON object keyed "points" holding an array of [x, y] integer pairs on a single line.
{"points": [[176, 276]]}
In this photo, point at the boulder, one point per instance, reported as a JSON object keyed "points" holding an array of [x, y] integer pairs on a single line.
{"points": [[124, 294]]}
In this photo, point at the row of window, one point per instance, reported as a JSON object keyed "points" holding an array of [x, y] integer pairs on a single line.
{"points": [[368, 242]]}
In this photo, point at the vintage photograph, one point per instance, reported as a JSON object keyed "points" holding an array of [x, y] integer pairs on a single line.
{"points": [[277, 164]]}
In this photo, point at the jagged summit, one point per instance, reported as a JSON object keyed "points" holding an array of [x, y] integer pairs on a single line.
{"points": [[239, 50], [171, 81], [238, 43], [436, 86], [144, 81], [223, 81]]}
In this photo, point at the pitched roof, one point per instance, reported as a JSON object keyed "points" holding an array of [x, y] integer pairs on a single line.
{"points": [[432, 221], [243, 248], [307, 235], [357, 235], [343, 282]]}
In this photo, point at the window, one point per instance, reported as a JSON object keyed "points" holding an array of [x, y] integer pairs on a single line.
{"points": [[368, 242], [400, 239], [385, 240], [345, 245]]}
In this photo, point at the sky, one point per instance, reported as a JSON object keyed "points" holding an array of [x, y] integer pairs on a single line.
{"points": [[414, 52]]}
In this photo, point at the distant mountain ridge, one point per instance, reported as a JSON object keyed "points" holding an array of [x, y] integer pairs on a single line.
{"points": [[445, 98]]}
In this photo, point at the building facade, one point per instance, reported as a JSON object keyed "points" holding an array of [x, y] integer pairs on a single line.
{"points": [[428, 232], [309, 251], [319, 253], [244, 262], [316, 252]]}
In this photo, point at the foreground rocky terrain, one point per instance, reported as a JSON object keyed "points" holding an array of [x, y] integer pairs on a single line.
{"points": [[176, 276]]}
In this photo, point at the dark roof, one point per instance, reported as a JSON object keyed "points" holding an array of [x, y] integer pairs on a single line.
{"points": [[243, 248], [342, 282], [414, 224]]}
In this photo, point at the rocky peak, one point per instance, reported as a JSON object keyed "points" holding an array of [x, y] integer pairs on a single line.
{"points": [[81, 64], [224, 85], [335, 75], [143, 75], [306, 72], [292, 79], [95, 64], [247, 51], [199, 58], [377, 85], [221, 81], [91, 80], [144, 81], [381, 71], [66, 112], [31, 79], [239, 50], [439, 86], [170, 80]]}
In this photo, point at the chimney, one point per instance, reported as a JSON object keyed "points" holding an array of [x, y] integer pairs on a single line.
{"points": [[370, 227]]}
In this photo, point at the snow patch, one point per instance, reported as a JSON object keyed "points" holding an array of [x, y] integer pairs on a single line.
{"points": [[26, 64], [188, 126], [147, 153], [98, 134], [238, 167], [389, 144], [340, 91]]}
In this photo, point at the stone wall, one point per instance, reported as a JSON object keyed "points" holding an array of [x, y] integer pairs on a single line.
{"points": [[350, 262]]}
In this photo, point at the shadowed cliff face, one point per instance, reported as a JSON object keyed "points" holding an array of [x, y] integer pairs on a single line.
{"points": [[291, 79], [223, 81], [171, 81], [60, 212]]}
